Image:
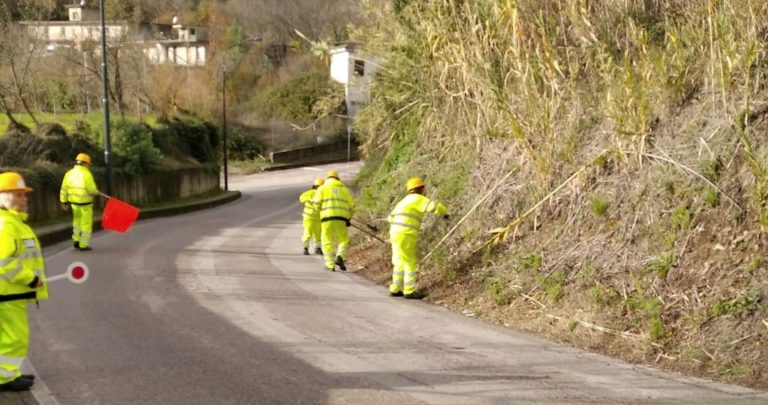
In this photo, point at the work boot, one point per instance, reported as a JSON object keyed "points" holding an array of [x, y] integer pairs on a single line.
{"points": [[318, 251], [19, 384], [85, 248], [77, 245], [28, 377], [396, 294], [306, 251], [340, 263], [414, 296]]}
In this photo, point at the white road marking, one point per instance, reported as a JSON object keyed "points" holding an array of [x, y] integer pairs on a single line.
{"points": [[40, 391]]}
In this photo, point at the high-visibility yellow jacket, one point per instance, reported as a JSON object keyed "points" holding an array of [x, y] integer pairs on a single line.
{"points": [[78, 186], [334, 201], [310, 211], [21, 259], [406, 217]]}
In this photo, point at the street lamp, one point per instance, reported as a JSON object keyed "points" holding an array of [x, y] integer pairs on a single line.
{"points": [[105, 99], [224, 114]]}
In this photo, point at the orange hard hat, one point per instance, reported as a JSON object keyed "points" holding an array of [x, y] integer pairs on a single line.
{"points": [[414, 183], [83, 157], [12, 181]]}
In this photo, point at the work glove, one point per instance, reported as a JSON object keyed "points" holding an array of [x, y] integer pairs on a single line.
{"points": [[65, 206], [349, 222], [446, 216]]}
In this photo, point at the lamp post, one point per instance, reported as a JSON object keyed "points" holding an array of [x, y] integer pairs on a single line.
{"points": [[224, 120], [224, 114], [105, 99]]}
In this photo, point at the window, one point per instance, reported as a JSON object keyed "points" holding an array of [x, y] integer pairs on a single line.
{"points": [[75, 16], [359, 67], [191, 31]]}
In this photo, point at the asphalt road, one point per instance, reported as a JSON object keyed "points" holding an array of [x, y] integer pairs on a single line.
{"points": [[220, 307]]}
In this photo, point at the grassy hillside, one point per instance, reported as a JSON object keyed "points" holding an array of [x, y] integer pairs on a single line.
{"points": [[605, 163]]}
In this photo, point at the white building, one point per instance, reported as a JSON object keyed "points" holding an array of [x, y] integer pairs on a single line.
{"points": [[350, 68], [161, 43]]}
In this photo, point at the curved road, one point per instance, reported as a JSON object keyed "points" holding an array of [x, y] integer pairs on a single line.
{"points": [[220, 307]]}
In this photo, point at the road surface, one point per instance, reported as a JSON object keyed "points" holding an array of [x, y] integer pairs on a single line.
{"points": [[221, 307]]}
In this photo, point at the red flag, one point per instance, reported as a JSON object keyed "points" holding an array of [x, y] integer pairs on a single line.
{"points": [[118, 216]]}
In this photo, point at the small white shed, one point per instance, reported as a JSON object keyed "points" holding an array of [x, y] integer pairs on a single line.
{"points": [[350, 68]]}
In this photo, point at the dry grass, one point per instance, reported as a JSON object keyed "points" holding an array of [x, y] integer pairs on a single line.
{"points": [[633, 223]]}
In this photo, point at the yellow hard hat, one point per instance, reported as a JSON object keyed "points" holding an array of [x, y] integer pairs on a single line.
{"points": [[319, 181], [414, 183], [12, 181], [332, 173], [82, 157]]}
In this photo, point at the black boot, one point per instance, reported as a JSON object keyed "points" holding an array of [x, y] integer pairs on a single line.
{"points": [[340, 263], [318, 251], [414, 296], [19, 384], [396, 294], [77, 245], [306, 251]]}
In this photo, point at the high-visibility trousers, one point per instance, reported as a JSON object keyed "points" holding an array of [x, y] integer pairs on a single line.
{"points": [[404, 263], [14, 339], [334, 231], [311, 231], [82, 223]]}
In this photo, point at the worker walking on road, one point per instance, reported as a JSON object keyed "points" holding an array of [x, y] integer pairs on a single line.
{"points": [[404, 224], [336, 206], [311, 218], [77, 191], [22, 281]]}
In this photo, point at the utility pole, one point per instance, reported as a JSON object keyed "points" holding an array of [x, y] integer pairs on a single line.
{"points": [[105, 100], [224, 120]]}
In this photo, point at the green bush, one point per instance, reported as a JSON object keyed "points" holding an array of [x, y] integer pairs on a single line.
{"points": [[133, 147], [243, 145], [188, 138]]}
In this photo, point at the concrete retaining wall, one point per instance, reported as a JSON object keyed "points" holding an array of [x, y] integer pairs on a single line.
{"points": [[318, 152], [161, 186]]}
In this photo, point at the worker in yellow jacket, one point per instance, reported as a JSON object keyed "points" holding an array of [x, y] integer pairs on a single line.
{"points": [[404, 224], [77, 191], [311, 218], [22, 281], [336, 206]]}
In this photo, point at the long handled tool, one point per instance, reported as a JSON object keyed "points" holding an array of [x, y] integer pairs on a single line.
{"points": [[363, 230]]}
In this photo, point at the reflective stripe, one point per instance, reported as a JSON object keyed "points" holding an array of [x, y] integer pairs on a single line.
{"points": [[39, 272], [398, 273], [336, 208], [7, 261], [412, 216], [334, 199], [7, 373], [14, 361], [406, 225], [85, 234], [10, 275]]}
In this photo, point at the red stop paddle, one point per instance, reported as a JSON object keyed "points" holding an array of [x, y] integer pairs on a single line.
{"points": [[77, 272]]}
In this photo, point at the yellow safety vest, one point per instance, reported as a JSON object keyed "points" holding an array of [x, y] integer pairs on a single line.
{"points": [[78, 186], [309, 207], [334, 201], [21, 259], [406, 217]]}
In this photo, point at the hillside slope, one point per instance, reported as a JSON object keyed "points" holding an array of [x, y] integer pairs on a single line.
{"points": [[605, 163]]}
